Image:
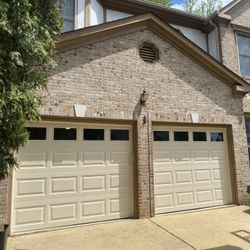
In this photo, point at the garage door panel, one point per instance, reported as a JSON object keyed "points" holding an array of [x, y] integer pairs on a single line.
{"points": [[203, 175], [190, 174], [162, 156], [33, 160], [30, 187], [183, 177], [163, 178], [182, 156], [164, 201], [93, 183], [184, 198], [204, 196], [200, 155], [64, 159], [118, 181], [93, 158], [93, 208], [30, 215], [218, 194], [119, 157], [61, 212], [219, 174], [64, 183], [118, 206], [217, 155]]}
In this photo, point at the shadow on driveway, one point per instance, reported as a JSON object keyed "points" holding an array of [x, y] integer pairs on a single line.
{"points": [[226, 247], [242, 234]]}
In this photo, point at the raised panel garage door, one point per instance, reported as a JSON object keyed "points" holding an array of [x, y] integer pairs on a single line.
{"points": [[191, 168], [71, 174]]}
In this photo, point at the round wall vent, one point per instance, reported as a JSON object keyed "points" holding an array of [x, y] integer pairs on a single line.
{"points": [[148, 53]]}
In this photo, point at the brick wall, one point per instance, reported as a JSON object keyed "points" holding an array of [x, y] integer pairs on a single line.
{"points": [[3, 203], [229, 54], [240, 16], [108, 77]]}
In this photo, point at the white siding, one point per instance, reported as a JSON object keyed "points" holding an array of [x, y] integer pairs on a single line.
{"points": [[96, 13], [196, 36], [80, 14], [213, 44], [112, 15]]}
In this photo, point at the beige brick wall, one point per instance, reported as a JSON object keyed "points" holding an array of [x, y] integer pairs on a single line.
{"points": [[3, 202], [229, 53], [240, 16], [109, 77]]}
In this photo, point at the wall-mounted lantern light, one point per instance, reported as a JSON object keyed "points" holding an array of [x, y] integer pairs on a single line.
{"points": [[144, 97]]}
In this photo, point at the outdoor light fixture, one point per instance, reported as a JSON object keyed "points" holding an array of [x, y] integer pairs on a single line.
{"points": [[144, 97]]}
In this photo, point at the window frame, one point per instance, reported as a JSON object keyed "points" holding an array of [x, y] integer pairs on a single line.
{"points": [[96, 129], [116, 130], [248, 143], [183, 131], [244, 34], [217, 132], [65, 128], [197, 131], [164, 131], [46, 133]]}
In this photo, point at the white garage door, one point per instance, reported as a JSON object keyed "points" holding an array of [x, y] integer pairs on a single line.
{"points": [[71, 174], [191, 168]]}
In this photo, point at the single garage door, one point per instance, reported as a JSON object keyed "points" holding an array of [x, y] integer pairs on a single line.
{"points": [[191, 168], [71, 174]]}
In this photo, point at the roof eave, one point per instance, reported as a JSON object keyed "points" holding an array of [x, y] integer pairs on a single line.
{"points": [[167, 14]]}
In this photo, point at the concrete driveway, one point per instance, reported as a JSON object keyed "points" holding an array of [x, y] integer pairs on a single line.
{"points": [[218, 229]]}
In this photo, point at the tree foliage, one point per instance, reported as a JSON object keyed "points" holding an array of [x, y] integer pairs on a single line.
{"points": [[28, 31], [163, 2], [202, 8]]}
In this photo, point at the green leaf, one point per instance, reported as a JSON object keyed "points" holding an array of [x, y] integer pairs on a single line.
{"points": [[29, 31]]}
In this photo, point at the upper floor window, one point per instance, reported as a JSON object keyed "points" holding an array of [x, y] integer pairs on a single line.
{"points": [[67, 8], [244, 54], [248, 136]]}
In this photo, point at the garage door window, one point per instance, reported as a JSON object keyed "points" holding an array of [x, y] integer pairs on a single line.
{"points": [[119, 135], [65, 134], [199, 136], [216, 136], [161, 136], [181, 136], [93, 134], [37, 133]]}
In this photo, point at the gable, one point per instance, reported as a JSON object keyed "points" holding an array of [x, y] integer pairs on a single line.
{"points": [[110, 73], [115, 29]]}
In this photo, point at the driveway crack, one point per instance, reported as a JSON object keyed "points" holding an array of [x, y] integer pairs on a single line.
{"points": [[177, 237]]}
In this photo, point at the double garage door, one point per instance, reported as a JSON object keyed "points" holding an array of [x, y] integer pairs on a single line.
{"points": [[71, 174], [191, 168]]}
